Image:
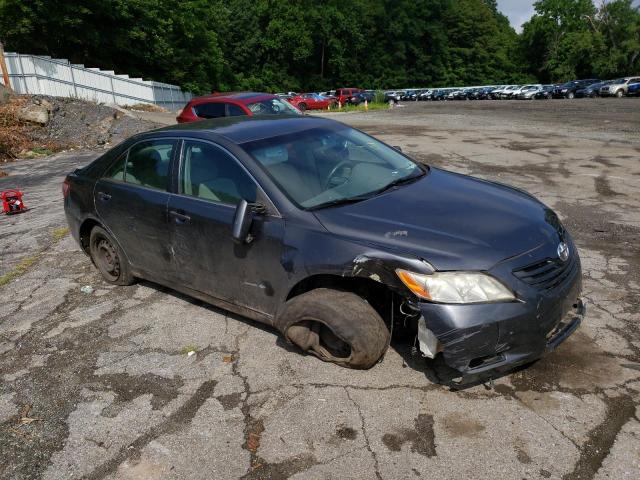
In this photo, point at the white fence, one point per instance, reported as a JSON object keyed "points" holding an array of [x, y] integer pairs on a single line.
{"points": [[57, 77]]}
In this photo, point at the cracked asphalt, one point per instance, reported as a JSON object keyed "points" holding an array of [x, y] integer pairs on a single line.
{"points": [[114, 393]]}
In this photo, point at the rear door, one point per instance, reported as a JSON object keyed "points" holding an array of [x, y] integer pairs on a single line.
{"points": [[234, 110], [211, 182], [131, 199]]}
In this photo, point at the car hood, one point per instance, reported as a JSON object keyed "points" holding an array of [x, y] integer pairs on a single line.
{"points": [[453, 221]]}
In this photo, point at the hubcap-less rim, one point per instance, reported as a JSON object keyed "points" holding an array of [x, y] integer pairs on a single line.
{"points": [[317, 338], [107, 258]]}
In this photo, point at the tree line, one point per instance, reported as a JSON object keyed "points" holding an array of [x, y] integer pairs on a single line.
{"points": [[304, 45]]}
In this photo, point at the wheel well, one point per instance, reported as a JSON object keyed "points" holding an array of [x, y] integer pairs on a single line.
{"points": [[377, 294], [85, 232]]}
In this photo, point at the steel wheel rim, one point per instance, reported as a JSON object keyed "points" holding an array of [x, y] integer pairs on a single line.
{"points": [[107, 258]]}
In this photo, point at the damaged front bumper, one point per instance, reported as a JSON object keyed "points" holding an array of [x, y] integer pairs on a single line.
{"points": [[477, 338]]}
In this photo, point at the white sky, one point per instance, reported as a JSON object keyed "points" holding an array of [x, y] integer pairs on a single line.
{"points": [[519, 11]]}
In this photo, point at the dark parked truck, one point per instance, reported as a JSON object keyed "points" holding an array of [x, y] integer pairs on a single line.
{"points": [[332, 237]]}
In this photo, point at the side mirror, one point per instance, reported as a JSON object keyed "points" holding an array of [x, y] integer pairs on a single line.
{"points": [[243, 219], [398, 147], [241, 222]]}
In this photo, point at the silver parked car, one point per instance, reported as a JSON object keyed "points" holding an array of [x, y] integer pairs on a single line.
{"points": [[528, 91], [618, 88]]}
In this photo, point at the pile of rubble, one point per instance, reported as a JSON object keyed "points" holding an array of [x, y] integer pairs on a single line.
{"points": [[34, 125]]}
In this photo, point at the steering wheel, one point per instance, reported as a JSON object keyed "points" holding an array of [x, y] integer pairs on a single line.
{"points": [[335, 170]]}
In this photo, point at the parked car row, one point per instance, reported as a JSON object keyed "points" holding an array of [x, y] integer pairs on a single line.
{"points": [[591, 87], [251, 103], [235, 104]]}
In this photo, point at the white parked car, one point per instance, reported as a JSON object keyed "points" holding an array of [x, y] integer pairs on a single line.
{"points": [[495, 93], [509, 92]]}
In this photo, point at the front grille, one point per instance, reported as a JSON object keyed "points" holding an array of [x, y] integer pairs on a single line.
{"points": [[548, 273]]}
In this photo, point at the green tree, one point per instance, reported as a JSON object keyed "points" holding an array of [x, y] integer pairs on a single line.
{"points": [[616, 39], [168, 40], [206, 45], [559, 39]]}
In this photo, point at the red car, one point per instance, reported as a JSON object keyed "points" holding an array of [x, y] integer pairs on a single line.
{"points": [[312, 101], [344, 94], [233, 105]]}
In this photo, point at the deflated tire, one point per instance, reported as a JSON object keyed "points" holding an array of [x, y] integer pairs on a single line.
{"points": [[336, 326]]}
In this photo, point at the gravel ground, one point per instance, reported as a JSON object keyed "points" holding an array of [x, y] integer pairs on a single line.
{"points": [[115, 395], [72, 124]]}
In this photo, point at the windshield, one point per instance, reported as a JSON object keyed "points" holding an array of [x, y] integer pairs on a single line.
{"points": [[272, 106], [325, 166]]}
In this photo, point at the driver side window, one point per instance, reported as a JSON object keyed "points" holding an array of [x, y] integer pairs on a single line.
{"points": [[210, 173]]}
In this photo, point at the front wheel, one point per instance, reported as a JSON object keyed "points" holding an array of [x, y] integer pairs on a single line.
{"points": [[571, 95], [302, 107], [335, 326], [109, 258], [620, 93]]}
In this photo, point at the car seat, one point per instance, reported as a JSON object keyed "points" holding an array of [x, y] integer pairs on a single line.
{"points": [[142, 169], [204, 180]]}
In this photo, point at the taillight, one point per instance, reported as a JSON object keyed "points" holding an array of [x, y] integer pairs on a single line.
{"points": [[66, 188]]}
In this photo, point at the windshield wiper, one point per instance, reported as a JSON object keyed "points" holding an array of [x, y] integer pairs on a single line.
{"points": [[341, 201], [359, 198], [399, 181]]}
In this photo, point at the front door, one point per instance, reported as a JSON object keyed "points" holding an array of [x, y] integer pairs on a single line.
{"points": [[206, 259], [131, 199]]}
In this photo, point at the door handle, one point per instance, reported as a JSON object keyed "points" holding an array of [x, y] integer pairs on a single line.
{"points": [[179, 217], [105, 197]]}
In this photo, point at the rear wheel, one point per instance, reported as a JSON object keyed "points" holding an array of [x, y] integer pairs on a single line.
{"points": [[109, 258], [335, 326]]}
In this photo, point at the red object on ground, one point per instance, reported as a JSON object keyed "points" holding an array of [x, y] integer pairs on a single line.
{"points": [[12, 202]]}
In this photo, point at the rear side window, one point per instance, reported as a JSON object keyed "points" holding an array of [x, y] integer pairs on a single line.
{"points": [[234, 110], [148, 163], [210, 110], [116, 172], [210, 173]]}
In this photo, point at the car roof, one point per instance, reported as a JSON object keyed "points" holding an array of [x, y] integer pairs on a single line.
{"points": [[242, 129], [240, 97]]}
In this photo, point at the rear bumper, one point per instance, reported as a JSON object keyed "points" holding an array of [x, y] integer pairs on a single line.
{"points": [[482, 337]]}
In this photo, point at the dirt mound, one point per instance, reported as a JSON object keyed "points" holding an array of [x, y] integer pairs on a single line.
{"points": [[4, 94], [146, 107], [39, 125]]}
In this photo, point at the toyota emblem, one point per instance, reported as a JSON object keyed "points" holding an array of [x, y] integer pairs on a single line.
{"points": [[563, 251]]}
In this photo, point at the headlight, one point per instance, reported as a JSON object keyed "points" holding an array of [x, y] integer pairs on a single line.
{"points": [[456, 287]]}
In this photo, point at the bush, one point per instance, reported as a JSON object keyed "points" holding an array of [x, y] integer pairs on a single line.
{"points": [[379, 96]]}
